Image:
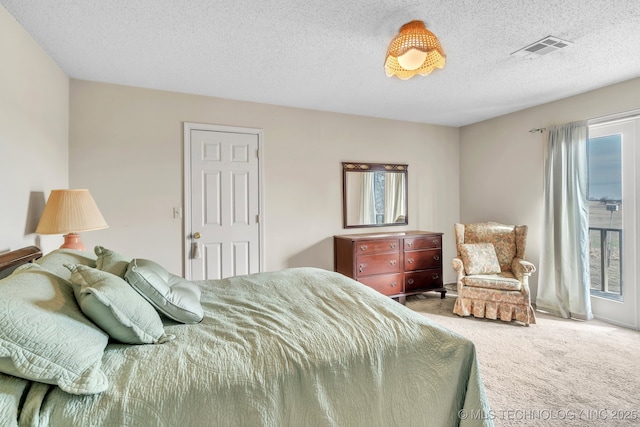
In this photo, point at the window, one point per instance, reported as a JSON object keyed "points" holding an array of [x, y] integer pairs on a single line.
{"points": [[613, 220], [605, 215]]}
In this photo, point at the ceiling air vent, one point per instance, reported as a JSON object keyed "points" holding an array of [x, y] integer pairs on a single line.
{"points": [[542, 47]]}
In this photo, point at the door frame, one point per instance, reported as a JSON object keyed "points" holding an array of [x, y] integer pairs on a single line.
{"points": [[605, 309], [186, 202]]}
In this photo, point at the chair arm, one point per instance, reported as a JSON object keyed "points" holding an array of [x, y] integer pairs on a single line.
{"points": [[522, 265], [458, 266], [522, 268]]}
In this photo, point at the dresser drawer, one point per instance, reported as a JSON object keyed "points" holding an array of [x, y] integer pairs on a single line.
{"points": [[375, 246], [425, 279], [419, 260], [422, 242], [394, 264], [387, 284], [377, 264]]}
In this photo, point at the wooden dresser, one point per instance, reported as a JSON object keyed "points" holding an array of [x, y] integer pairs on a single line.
{"points": [[395, 264]]}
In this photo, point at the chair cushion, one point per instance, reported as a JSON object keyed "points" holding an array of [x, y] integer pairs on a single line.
{"points": [[479, 258], [502, 281], [503, 238]]}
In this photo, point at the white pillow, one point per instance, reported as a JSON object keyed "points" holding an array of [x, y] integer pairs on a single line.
{"points": [[45, 337], [117, 308], [171, 295]]}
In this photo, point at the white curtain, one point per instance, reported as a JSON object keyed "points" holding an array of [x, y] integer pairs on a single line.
{"points": [[393, 196], [367, 200], [563, 285]]}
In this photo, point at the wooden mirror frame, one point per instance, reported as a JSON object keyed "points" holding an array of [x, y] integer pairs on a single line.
{"points": [[351, 167]]}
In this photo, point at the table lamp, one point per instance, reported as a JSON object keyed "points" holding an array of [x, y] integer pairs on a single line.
{"points": [[69, 212]]}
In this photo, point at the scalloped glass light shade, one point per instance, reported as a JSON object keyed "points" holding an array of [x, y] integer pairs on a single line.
{"points": [[415, 50]]}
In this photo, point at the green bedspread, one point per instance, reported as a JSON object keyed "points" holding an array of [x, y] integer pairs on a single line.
{"points": [[298, 347]]}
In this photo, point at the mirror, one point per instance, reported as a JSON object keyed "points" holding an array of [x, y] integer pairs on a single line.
{"points": [[374, 194]]}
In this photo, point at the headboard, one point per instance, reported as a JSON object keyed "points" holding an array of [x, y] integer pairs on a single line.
{"points": [[10, 260]]}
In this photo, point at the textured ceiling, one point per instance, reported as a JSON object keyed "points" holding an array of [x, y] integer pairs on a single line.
{"points": [[329, 55]]}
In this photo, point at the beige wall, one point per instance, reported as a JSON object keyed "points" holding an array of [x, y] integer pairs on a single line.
{"points": [[34, 120], [502, 163], [126, 146]]}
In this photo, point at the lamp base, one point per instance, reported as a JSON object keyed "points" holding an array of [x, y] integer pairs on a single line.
{"points": [[72, 241]]}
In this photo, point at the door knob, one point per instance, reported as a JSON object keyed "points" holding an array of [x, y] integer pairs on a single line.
{"points": [[196, 235]]}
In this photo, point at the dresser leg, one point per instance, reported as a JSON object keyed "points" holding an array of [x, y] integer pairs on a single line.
{"points": [[442, 294], [402, 299]]}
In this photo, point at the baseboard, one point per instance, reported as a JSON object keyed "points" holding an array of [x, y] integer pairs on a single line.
{"points": [[451, 288]]}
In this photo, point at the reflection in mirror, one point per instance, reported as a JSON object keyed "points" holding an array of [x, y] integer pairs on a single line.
{"points": [[374, 194]]}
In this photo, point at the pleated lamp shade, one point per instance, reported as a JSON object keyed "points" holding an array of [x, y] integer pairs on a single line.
{"points": [[69, 212]]}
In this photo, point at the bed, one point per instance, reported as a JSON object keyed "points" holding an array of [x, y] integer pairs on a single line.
{"points": [[297, 347]]}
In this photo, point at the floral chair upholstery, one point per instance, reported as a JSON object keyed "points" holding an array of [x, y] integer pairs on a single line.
{"points": [[492, 275]]}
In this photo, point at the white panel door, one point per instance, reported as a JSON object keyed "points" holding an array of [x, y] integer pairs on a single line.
{"points": [[222, 226]]}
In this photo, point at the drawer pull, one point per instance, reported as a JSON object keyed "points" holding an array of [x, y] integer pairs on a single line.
{"points": [[392, 262], [363, 247], [361, 268], [436, 242], [393, 285], [434, 276], [436, 258], [410, 281], [409, 244], [392, 245], [410, 260]]}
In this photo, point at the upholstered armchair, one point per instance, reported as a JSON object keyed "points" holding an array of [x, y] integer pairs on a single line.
{"points": [[492, 275]]}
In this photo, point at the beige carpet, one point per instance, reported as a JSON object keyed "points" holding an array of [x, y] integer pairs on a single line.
{"points": [[557, 372]]}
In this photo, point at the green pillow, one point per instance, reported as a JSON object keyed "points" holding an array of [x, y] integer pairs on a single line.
{"points": [[171, 295], [55, 260], [45, 337], [114, 306], [111, 261]]}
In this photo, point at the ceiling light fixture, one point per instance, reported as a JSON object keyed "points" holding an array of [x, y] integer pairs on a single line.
{"points": [[415, 50]]}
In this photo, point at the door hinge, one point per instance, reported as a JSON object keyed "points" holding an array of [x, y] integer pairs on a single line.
{"points": [[258, 153], [258, 218]]}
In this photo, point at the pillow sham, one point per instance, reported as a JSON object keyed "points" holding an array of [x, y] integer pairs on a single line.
{"points": [[111, 261], [55, 260], [171, 295], [115, 307], [45, 337], [479, 258]]}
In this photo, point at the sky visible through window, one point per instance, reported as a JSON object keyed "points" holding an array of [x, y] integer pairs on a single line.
{"points": [[605, 168]]}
